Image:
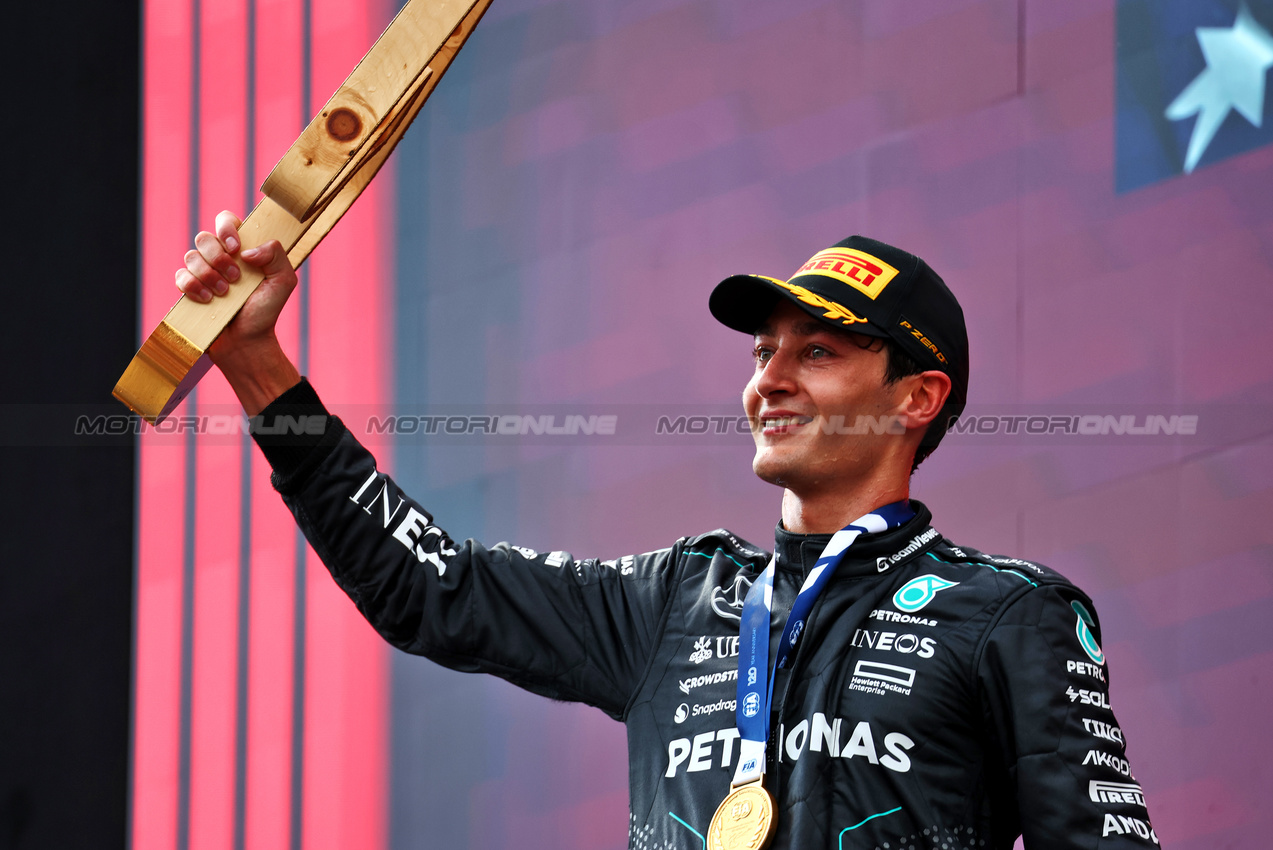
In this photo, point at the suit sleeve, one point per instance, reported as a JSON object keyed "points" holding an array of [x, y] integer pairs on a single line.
{"points": [[580, 630], [1044, 687]]}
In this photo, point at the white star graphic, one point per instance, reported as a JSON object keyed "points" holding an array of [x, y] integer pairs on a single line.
{"points": [[1237, 58]]}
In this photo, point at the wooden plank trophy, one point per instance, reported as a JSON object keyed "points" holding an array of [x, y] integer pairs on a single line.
{"points": [[310, 188]]}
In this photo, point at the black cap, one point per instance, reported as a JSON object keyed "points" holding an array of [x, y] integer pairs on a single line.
{"points": [[867, 287]]}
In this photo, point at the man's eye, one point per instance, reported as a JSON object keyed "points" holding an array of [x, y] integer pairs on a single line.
{"points": [[817, 352], [762, 355]]}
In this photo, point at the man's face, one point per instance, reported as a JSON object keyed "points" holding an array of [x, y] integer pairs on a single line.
{"points": [[814, 388]]}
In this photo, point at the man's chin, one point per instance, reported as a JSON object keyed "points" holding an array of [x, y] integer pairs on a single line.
{"points": [[771, 469]]}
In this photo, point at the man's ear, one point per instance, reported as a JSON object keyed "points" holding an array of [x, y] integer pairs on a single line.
{"points": [[928, 392]]}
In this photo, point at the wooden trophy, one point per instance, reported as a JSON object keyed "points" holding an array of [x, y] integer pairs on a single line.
{"points": [[310, 188]]}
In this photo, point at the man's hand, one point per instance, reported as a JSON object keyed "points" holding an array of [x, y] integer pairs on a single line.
{"points": [[247, 352]]}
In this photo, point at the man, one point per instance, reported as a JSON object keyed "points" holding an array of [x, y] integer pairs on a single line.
{"points": [[878, 686]]}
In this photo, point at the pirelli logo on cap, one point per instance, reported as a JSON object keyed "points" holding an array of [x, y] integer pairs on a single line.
{"points": [[865, 273]]}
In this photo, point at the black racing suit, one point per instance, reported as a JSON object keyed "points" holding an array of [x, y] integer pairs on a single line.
{"points": [[938, 698]]}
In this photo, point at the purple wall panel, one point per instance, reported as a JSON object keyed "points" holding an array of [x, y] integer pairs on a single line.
{"points": [[589, 170]]}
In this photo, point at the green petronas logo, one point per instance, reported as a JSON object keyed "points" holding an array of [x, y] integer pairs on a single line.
{"points": [[1083, 628], [918, 592]]}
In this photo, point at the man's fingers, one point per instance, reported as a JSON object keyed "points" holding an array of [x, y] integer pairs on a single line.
{"points": [[209, 277], [191, 287], [228, 225], [217, 257], [211, 266]]}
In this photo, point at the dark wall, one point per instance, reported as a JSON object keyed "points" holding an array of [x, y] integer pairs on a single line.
{"points": [[66, 331]]}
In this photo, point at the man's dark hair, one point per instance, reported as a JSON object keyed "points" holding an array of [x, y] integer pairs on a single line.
{"points": [[901, 365]]}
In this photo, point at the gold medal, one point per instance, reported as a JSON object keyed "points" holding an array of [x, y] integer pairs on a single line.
{"points": [[744, 820]]}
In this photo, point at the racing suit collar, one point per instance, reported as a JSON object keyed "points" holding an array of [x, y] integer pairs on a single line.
{"points": [[799, 552]]}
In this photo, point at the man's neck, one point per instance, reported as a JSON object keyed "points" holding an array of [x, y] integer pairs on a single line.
{"points": [[827, 513]]}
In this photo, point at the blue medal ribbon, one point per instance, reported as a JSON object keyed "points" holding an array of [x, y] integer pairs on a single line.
{"points": [[755, 680]]}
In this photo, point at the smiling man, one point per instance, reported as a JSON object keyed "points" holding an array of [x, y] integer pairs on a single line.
{"points": [[868, 684]]}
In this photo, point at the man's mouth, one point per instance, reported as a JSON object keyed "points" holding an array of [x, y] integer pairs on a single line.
{"points": [[782, 422]]}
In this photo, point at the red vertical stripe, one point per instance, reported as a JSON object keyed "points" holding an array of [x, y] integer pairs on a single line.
{"points": [[165, 139], [269, 733], [346, 709], [347, 676], [272, 614], [222, 126]]}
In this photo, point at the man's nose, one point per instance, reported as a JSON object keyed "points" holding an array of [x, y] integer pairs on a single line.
{"points": [[778, 375]]}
